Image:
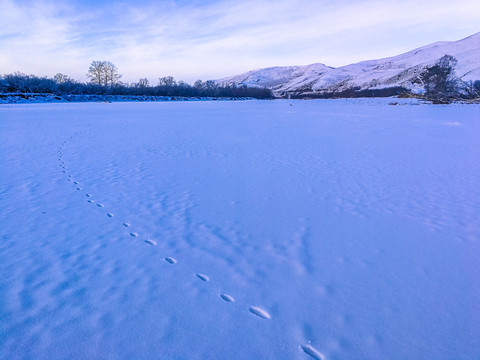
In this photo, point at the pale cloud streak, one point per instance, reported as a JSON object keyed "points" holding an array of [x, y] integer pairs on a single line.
{"points": [[193, 39]]}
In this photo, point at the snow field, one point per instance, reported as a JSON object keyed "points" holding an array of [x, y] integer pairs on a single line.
{"points": [[254, 310], [322, 229]]}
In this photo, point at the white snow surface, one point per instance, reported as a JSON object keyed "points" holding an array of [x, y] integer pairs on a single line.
{"points": [[326, 229], [401, 70]]}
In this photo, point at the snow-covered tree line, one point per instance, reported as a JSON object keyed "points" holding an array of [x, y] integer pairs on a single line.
{"points": [[104, 79]]}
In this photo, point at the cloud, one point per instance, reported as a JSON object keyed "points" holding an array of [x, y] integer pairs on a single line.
{"points": [[194, 39]]}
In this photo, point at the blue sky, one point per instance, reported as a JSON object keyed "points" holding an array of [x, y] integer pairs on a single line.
{"points": [[210, 39]]}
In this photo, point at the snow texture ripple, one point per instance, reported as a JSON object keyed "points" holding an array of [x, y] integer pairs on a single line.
{"points": [[337, 229]]}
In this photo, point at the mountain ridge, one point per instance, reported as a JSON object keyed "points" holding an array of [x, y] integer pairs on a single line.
{"points": [[400, 71]]}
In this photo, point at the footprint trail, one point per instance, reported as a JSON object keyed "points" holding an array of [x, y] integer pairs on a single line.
{"points": [[254, 310]]}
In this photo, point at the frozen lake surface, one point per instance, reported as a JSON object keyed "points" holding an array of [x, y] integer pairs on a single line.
{"points": [[330, 229]]}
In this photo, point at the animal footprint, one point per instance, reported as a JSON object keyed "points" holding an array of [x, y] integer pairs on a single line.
{"points": [[227, 298], [170, 260], [132, 234], [100, 205], [259, 312], [314, 353], [203, 277], [150, 242], [110, 215], [126, 224]]}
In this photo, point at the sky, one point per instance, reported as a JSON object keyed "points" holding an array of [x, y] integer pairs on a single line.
{"points": [[211, 39]]}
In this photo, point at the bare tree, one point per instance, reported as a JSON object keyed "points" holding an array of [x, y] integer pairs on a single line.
{"points": [[472, 89], [210, 85], [103, 73], [112, 75], [143, 83], [95, 72], [167, 81], [60, 78]]}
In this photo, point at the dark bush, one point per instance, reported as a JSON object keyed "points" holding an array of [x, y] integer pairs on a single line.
{"points": [[439, 80]]}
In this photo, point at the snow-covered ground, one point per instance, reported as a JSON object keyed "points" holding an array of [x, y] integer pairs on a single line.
{"points": [[329, 229]]}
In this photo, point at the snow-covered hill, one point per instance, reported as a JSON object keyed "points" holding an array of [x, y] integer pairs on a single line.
{"points": [[275, 77], [401, 70]]}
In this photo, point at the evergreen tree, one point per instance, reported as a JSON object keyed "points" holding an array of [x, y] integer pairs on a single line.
{"points": [[439, 79]]}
